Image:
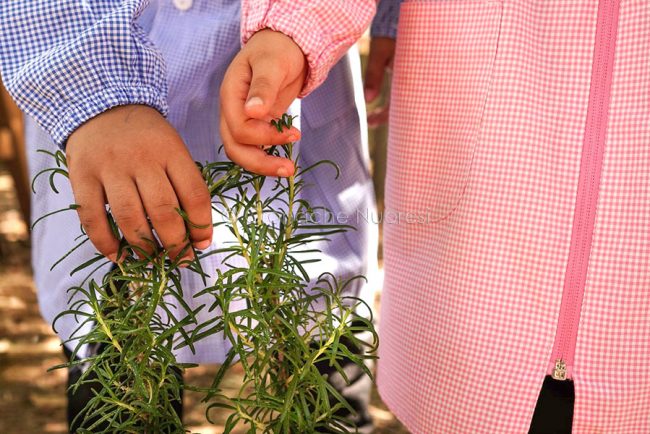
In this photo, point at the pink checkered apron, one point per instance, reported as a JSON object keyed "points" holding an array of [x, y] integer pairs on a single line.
{"points": [[517, 231]]}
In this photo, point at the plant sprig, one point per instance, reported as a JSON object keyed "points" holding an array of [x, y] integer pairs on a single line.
{"points": [[280, 323]]}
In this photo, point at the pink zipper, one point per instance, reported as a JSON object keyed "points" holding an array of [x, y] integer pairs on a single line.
{"points": [[593, 150]]}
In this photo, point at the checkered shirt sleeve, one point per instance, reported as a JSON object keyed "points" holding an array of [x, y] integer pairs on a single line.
{"points": [[323, 29], [66, 61], [385, 22]]}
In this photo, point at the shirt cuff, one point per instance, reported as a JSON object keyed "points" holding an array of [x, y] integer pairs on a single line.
{"points": [[323, 34], [102, 101]]}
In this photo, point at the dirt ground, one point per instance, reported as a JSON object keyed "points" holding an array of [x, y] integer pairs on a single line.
{"points": [[32, 400]]}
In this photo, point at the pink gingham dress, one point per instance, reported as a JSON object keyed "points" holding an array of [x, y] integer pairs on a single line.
{"points": [[517, 235]]}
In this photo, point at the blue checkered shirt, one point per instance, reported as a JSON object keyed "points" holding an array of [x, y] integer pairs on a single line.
{"points": [[65, 61]]}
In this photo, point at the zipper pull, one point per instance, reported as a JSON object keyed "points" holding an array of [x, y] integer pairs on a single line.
{"points": [[559, 371]]}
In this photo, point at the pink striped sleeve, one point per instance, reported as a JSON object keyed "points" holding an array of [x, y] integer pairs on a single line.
{"points": [[323, 29]]}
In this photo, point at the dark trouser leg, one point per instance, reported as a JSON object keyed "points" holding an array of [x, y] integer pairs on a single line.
{"points": [[357, 393], [554, 410], [78, 400]]}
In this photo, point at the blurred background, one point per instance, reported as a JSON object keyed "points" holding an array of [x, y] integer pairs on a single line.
{"points": [[32, 400]]}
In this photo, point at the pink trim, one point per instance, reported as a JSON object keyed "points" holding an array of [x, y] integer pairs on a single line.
{"points": [[593, 151]]}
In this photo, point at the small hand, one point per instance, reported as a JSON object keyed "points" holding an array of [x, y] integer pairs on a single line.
{"points": [[132, 159], [380, 60], [260, 84]]}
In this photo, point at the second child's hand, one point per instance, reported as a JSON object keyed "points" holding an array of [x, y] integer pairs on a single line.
{"points": [[380, 62], [260, 84], [131, 158]]}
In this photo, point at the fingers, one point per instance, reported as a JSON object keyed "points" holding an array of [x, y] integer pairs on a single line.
{"points": [[194, 197], [278, 69], [153, 195], [374, 78], [382, 51], [139, 165], [160, 204], [128, 212], [242, 135], [253, 158], [379, 116], [89, 195], [244, 128], [267, 78], [260, 84]]}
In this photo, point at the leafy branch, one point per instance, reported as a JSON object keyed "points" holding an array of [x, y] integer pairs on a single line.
{"points": [[280, 323]]}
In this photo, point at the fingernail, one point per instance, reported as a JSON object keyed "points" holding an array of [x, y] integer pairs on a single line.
{"points": [[186, 261], [202, 245], [113, 257], [283, 172], [369, 94], [293, 137], [254, 102]]}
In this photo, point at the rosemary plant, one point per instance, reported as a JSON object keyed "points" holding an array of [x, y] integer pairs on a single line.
{"points": [[280, 322]]}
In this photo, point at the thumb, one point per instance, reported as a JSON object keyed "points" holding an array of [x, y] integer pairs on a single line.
{"points": [[266, 83]]}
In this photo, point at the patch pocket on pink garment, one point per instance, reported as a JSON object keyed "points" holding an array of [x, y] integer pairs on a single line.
{"points": [[442, 73]]}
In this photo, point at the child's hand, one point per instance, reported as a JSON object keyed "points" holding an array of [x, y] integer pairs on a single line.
{"points": [[132, 159], [380, 60], [260, 84]]}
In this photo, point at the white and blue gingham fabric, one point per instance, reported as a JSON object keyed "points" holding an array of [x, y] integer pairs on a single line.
{"points": [[65, 61]]}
